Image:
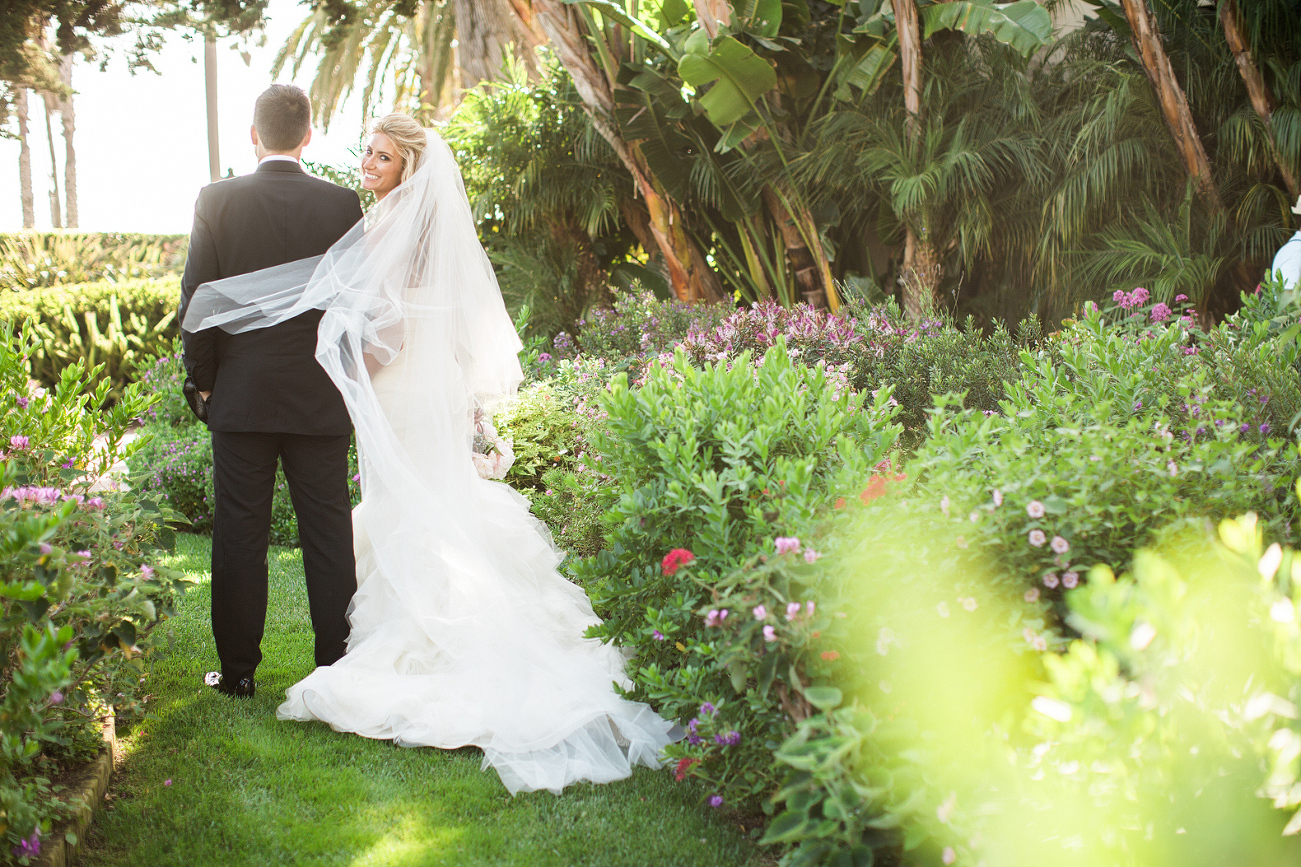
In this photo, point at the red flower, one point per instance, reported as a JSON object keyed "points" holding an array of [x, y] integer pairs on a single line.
{"points": [[840, 503], [875, 488], [830, 655], [675, 560], [684, 768]]}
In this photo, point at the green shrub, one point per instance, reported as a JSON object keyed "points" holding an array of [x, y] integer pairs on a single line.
{"points": [[163, 376], [175, 464], [717, 461], [33, 260], [543, 430], [1098, 446], [119, 325], [572, 504], [80, 592]]}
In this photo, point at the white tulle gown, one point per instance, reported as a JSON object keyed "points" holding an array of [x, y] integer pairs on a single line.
{"points": [[463, 631]]}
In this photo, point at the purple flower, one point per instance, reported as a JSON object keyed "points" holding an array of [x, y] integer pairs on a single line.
{"points": [[1180, 297], [95, 503], [706, 708], [32, 845], [730, 739], [22, 402], [544, 356], [56, 697], [1139, 296], [716, 801], [657, 635], [46, 548], [1160, 313], [1264, 429], [19, 443]]}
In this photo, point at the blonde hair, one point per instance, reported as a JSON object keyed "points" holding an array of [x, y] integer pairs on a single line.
{"points": [[407, 136]]}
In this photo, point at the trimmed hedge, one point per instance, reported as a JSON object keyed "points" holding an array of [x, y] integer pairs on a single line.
{"points": [[119, 325], [32, 260]]}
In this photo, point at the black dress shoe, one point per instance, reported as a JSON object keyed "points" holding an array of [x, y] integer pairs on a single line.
{"points": [[242, 688]]}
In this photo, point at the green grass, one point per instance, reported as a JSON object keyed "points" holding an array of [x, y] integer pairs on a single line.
{"points": [[246, 788]]}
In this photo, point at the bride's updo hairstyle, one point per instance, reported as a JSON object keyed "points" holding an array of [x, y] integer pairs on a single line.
{"points": [[409, 138]]}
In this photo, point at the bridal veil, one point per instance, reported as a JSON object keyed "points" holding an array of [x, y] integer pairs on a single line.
{"points": [[463, 631]]}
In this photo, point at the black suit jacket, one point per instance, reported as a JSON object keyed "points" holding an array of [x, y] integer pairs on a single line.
{"points": [[266, 380]]}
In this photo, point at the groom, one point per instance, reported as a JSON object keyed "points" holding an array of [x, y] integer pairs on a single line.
{"points": [[266, 398]]}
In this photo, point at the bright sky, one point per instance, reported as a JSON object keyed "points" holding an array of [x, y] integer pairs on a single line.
{"points": [[142, 141]]}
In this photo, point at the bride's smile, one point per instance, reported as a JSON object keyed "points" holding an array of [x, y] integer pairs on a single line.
{"points": [[381, 165]]}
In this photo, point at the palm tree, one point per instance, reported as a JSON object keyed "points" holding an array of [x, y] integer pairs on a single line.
{"points": [[71, 218], [24, 160], [384, 47]]}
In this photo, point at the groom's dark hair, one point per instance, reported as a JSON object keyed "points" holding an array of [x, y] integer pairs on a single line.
{"points": [[282, 116]]}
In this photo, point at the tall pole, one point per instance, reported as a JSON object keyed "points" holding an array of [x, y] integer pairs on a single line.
{"points": [[210, 87]]}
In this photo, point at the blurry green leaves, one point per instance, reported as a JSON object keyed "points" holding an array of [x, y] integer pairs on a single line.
{"points": [[1024, 25], [735, 78]]}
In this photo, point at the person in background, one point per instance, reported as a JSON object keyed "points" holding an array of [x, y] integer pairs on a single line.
{"points": [[1287, 261]]}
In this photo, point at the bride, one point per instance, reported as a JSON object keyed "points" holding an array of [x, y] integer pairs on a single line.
{"points": [[463, 632]]}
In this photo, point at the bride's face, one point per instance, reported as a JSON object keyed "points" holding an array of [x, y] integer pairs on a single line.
{"points": [[381, 166]]}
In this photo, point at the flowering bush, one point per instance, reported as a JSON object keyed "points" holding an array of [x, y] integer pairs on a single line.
{"points": [[80, 589], [712, 462], [175, 463], [640, 326], [1097, 447], [162, 376]]}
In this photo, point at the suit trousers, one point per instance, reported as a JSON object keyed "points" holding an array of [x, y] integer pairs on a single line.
{"points": [[244, 473]]}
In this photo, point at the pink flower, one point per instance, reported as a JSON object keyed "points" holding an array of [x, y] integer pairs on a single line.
{"points": [[1039, 643], [715, 617], [1160, 313], [1035, 509], [95, 503], [785, 544], [1119, 296], [1032, 595], [19, 443], [1050, 580], [1070, 579], [1181, 298], [769, 633], [675, 560], [811, 556], [792, 610], [1139, 295], [759, 612], [1172, 468], [809, 608], [167, 783], [949, 856], [147, 571], [716, 801], [1037, 538], [1060, 545], [998, 498], [944, 505]]}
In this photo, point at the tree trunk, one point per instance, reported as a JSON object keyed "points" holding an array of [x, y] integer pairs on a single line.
{"points": [[921, 265], [210, 94], [713, 14], [1174, 103], [485, 32], [25, 161], [689, 273], [808, 262], [1230, 19], [921, 274], [71, 218], [56, 218]]}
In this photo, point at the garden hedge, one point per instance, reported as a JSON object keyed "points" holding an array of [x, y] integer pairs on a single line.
{"points": [[121, 325]]}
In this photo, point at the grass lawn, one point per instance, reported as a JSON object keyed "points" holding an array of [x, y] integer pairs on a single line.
{"points": [[212, 781]]}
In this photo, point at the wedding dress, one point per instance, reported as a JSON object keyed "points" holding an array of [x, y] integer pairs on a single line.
{"points": [[463, 631]]}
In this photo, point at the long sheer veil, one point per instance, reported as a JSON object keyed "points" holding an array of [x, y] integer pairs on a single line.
{"points": [[463, 631]]}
